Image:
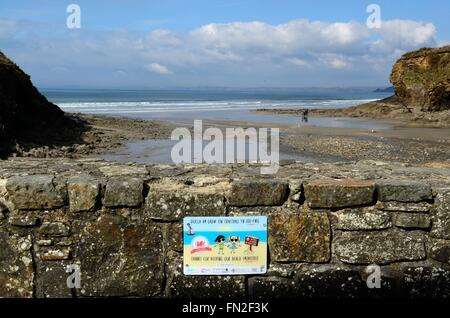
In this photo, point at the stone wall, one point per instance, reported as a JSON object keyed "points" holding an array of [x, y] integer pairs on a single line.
{"points": [[121, 223]]}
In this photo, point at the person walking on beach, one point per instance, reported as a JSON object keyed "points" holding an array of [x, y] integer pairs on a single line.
{"points": [[305, 115]]}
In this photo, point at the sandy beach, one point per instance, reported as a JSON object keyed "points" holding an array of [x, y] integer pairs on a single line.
{"points": [[148, 141]]}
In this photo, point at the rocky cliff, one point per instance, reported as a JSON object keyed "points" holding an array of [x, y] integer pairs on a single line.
{"points": [[26, 116], [422, 79]]}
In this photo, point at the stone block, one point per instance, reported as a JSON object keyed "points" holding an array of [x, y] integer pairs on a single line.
{"points": [[119, 258], [56, 229], [383, 247], [182, 286], [440, 250], [331, 194], [257, 192], [83, 193], [440, 214], [174, 205], [403, 191], [412, 207], [16, 266], [123, 192], [301, 237], [36, 192], [411, 220], [360, 219]]}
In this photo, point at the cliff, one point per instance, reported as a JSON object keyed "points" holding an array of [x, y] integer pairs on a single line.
{"points": [[26, 116], [422, 79]]}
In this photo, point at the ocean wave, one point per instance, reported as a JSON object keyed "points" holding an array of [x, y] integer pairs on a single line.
{"points": [[181, 106]]}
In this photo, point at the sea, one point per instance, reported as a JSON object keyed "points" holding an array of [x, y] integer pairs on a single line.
{"points": [[183, 106]]}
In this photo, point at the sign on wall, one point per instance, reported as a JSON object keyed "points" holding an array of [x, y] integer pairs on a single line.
{"points": [[225, 245]]}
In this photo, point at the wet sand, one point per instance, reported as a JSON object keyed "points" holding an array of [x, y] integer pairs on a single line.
{"points": [[148, 141]]}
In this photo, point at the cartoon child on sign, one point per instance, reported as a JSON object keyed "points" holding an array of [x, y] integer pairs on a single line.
{"points": [[233, 243], [220, 240]]}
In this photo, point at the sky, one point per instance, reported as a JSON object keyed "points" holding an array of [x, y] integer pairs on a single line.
{"points": [[138, 44]]}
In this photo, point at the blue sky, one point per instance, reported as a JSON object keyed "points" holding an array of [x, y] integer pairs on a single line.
{"points": [[247, 43]]}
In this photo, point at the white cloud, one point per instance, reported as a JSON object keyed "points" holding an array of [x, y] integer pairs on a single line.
{"points": [[227, 53], [298, 61], [334, 61], [158, 69], [404, 35]]}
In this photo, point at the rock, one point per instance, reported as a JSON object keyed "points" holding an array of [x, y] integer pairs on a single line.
{"points": [[36, 192], [120, 258], [281, 269], [24, 221], [52, 280], [173, 236], [411, 220], [123, 171], [360, 219], [56, 229], [3, 211], [295, 190], [331, 283], [257, 192], [301, 237], [173, 206], [64, 241], [25, 114], [124, 192], [426, 282], [440, 215], [330, 193], [440, 251], [55, 255], [16, 266], [271, 287], [44, 242], [403, 191], [83, 193], [421, 79], [378, 247], [182, 286], [404, 207], [327, 282]]}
